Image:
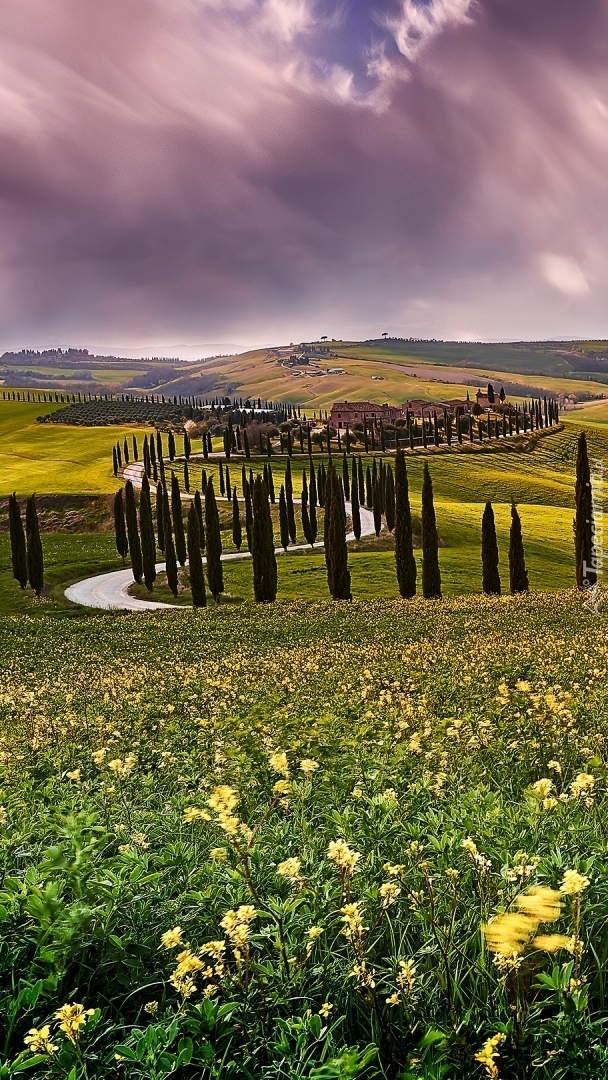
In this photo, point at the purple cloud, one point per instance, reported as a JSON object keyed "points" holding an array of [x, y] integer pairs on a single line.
{"points": [[258, 169]]}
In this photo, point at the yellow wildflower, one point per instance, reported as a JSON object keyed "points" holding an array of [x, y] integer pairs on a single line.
{"points": [[356, 793], [194, 813], [394, 869], [278, 762], [72, 1018], [73, 775], [343, 856], [315, 932], [38, 1040], [508, 933], [552, 942], [540, 903], [309, 766], [290, 869], [543, 787], [406, 976], [488, 1054], [573, 883], [389, 892], [151, 1007], [99, 756], [394, 999], [582, 784], [325, 1009], [218, 853], [172, 938], [282, 787]]}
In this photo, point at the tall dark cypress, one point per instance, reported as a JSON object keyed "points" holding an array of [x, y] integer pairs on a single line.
{"points": [[305, 514], [133, 532], [35, 559], [586, 571], [361, 484], [198, 506], [114, 461], [120, 528], [431, 576], [146, 531], [246, 444], [228, 484], [170, 557], [404, 541], [125, 450], [369, 489], [18, 548], [345, 478], [237, 532], [186, 477], [135, 450], [336, 551], [377, 509], [270, 483], [291, 517], [518, 574], [160, 517], [195, 560], [263, 555], [222, 482], [355, 509], [171, 444], [489, 553], [248, 513], [178, 521], [215, 573], [389, 499], [312, 504], [283, 520]]}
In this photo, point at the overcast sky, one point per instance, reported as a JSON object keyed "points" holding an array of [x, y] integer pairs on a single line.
{"points": [[175, 172]]}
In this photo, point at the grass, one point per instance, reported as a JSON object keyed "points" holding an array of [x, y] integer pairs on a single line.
{"points": [[365, 767], [53, 459], [541, 481]]}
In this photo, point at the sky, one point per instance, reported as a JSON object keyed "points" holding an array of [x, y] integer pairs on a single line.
{"points": [[175, 173]]}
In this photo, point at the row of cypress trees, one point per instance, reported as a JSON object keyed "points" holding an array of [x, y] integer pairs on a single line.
{"points": [[27, 557]]}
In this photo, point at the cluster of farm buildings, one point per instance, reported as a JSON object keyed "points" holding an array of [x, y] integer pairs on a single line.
{"points": [[349, 413]]}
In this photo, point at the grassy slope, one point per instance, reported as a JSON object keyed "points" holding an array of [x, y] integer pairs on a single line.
{"points": [[541, 481], [52, 459]]}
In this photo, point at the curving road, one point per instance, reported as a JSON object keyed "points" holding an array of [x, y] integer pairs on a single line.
{"points": [[111, 591]]}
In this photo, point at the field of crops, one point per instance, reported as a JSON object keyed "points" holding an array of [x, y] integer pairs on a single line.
{"points": [[315, 841]]}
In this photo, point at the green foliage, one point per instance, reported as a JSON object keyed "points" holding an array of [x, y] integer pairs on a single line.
{"points": [[35, 558], [489, 553], [17, 535]]}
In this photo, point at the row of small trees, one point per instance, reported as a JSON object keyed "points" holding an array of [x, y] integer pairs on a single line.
{"points": [[27, 557]]}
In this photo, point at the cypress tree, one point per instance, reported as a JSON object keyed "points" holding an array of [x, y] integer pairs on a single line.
{"points": [[431, 576], [248, 513], [369, 491], [215, 573], [178, 521], [361, 484], [146, 531], [171, 442], [133, 533], [345, 478], [18, 548], [114, 461], [586, 574], [187, 446], [170, 557], [237, 532], [195, 561], [135, 450], [246, 444], [35, 559], [222, 482], [186, 477], [518, 574], [291, 517], [489, 553], [355, 510], [203, 482], [151, 450], [125, 450], [118, 455], [283, 519], [336, 551], [228, 485], [404, 541], [198, 506], [270, 483], [263, 555], [389, 499], [160, 522], [377, 509], [312, 504], [120, 528], [305, 514]]}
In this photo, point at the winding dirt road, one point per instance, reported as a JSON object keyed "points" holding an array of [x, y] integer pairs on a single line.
{"points": [[111, 591]]}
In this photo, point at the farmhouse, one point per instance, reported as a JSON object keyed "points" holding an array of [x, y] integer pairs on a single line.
{"points": [[357, 412]]}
